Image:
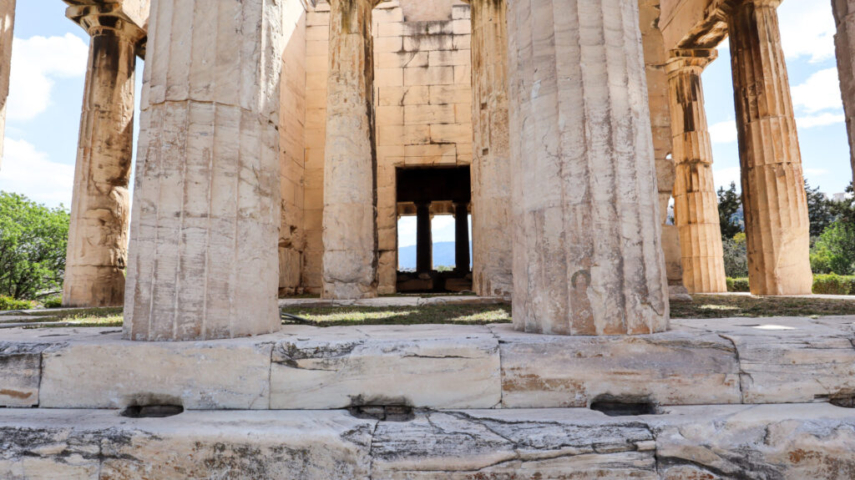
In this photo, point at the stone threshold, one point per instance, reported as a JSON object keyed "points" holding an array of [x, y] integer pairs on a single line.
{"points": [[709, 442], [396, 301], [442, 367]]}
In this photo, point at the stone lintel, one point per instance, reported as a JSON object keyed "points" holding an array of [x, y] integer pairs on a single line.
{"points": [[680, 58]]}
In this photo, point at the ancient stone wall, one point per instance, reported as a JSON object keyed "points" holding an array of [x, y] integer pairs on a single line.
{"points": [[422, 97], [292, 122]]}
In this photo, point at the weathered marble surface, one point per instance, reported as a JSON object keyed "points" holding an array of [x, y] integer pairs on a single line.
{"points": [[102, 371], [844, 42], [588, 256], [540, 371], [86, 444], [20, 374], [7, 33], [419, 366], [786, 442]]}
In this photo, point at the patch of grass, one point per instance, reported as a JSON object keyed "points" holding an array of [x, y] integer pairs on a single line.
{"points": [[84, 317], [428, 314], [724, 306]]}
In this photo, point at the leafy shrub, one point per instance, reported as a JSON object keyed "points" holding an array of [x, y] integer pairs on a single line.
{"points": [[53, 302], [833, 284], [737, 284], [9, 303]]}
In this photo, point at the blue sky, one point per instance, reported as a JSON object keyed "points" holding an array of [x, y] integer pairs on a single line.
{"points": [[49, 64]]}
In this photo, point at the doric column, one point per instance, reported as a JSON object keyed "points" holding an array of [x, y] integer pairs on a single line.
{"points": [[587, 249], [350, 158], [461, 237], [7, 33], [424, 238], [203, 252], [773, 192], [845, 43], [100, 206], [491, 179], [695, 199]]}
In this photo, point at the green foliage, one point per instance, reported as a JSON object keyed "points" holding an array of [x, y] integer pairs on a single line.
{"points": [[737, 285], [833, 284], [735, 256], [729, 203], [8, 303], [820, 210], [834, 251], [33, 241], [53, 302]]}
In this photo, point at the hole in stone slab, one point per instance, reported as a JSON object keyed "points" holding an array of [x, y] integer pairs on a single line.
{"points": [[843, 401], [623, 407], [152, 411], [388, 413]]}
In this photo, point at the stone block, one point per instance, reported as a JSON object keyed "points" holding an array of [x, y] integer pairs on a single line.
{"points": [[102, 371], [20, 374], [401, 96], [449, 58], [74, 444], [457, 367], [426, 43], [429, 76], [389, 77], [442, 94], [429, 114], [666, 369], [529, 444]]}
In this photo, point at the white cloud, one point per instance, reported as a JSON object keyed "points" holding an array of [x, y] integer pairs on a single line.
{"points": [[724, 176], [821, 91], [723, 132], [30, 172], [820, 120], [807, 29], [36, 62], [815, 172]]}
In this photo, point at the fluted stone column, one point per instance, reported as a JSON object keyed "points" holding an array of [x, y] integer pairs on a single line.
{"points": [[492, 237], [100, 206], [7, 33], [424, 238], [350, 162], [695, 198], [204, 238], [845, 44], [774, 200], [588, 257], [461, 237]]}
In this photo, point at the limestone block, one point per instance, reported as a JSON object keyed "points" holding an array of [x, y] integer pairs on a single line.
{"points": [[20, 374], [428, 114], [791, 360], [74, 444], [670, 368], [457, 367], [791, 442], [101, 371], [429, 76], [428, 43], [528, 444]]}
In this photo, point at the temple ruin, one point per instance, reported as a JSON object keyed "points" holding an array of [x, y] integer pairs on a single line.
{"points": [[281, 143]]}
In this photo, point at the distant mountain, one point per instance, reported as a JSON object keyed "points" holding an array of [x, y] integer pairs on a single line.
{"points": [[443, 255]]}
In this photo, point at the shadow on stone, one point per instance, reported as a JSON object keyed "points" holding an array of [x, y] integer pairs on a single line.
{"points": [[152, 411], [623, 406]]}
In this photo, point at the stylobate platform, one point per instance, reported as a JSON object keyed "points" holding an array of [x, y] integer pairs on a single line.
{"points": [[796, 442], [721, 361]]}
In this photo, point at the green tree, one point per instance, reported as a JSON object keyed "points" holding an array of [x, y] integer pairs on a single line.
{"points": [[33, 240], [729, 203], [735, 256], [820, 210], [834, 251]]}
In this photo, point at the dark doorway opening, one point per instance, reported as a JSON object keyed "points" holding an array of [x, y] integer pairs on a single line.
{"points": [[425, 192]]}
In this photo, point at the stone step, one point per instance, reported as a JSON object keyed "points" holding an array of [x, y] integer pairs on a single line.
{"points": [[796, 441], [722, 361]]}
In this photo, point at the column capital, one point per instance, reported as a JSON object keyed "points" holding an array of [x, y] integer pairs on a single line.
{"points": [[96, 17], [681, 59]]}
